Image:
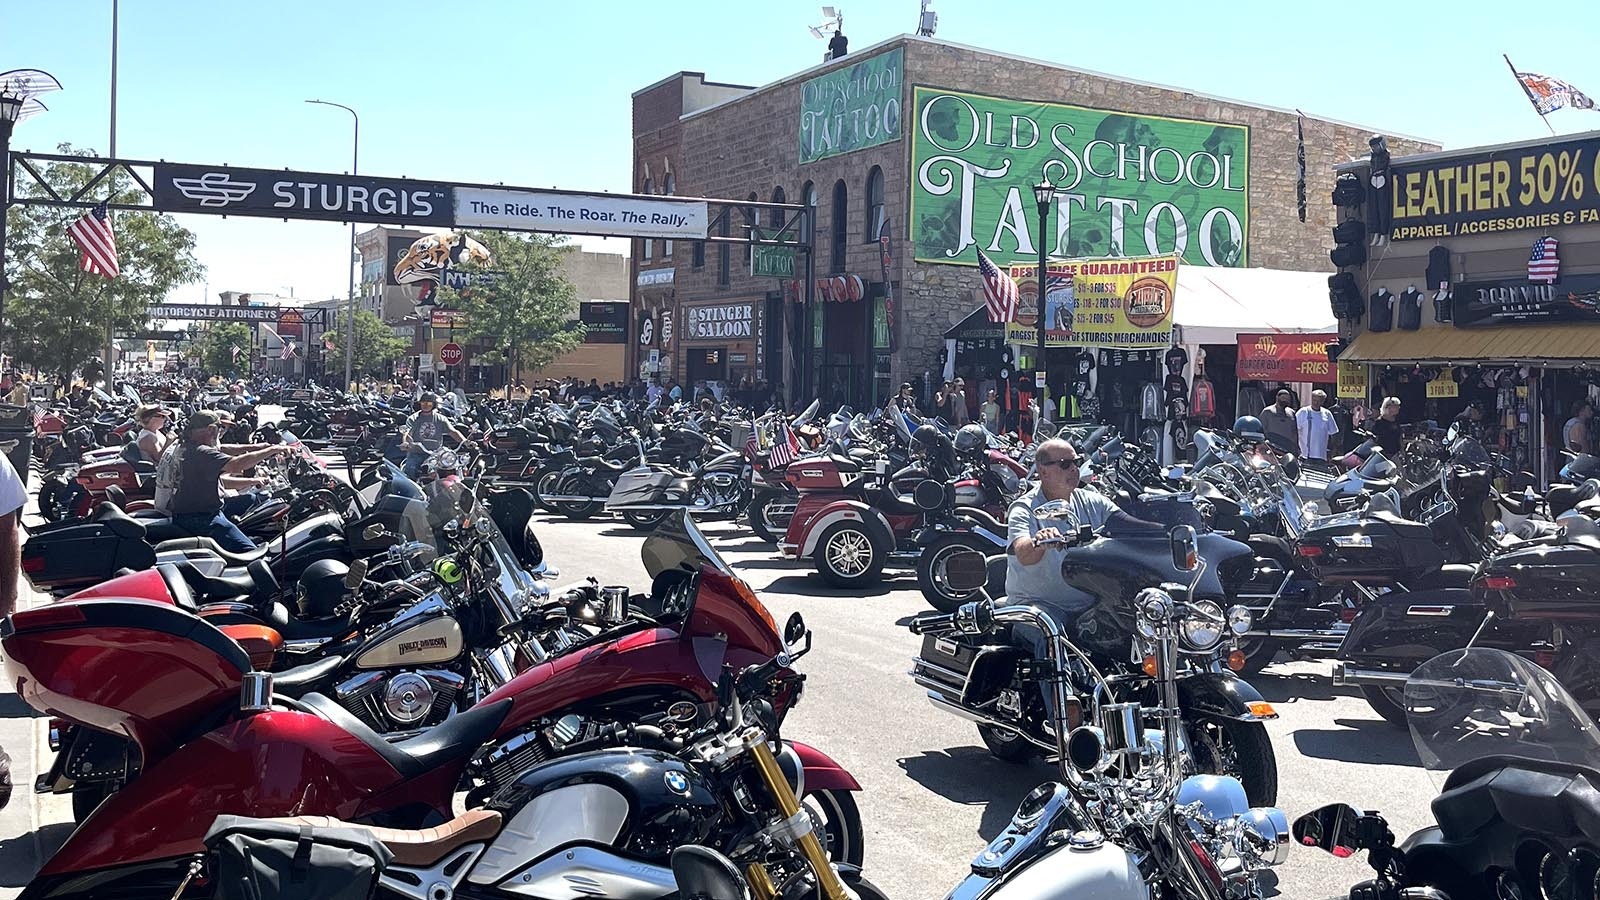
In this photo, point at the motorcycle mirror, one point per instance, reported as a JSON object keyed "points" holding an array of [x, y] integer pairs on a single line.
{"points": [[965, 570], [372, 532], [1185, 549], [725, 686], [794, 629], [356, 575], [1333, 828], [1085, 534]]}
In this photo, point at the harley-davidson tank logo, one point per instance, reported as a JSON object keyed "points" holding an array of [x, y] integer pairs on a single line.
{"points": [[424, 644]]}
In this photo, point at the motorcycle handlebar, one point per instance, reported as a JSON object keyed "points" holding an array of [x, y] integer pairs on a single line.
{"points": [[933, 623]]}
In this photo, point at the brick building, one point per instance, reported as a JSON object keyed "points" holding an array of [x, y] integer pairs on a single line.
{"points": [[937, 146]]}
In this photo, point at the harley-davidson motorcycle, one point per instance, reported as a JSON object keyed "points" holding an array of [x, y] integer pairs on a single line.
{"points": [[1516, 759], [172, 683], [995, 682], [703, 476]]}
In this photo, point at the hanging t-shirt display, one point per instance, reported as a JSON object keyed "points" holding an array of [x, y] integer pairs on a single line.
{"points": [[1438, 276], [1204, 402], [1380, 314], [1409, 316]]}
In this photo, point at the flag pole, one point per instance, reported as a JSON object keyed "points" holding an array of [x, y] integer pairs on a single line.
{"points": [[1527, 93], [111, 303]]}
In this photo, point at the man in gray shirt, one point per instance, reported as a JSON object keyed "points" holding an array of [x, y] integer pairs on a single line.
{"points": [[1278, 422]]}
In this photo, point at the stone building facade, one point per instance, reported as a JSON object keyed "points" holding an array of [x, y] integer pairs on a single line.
{"points": [[698, 138]]}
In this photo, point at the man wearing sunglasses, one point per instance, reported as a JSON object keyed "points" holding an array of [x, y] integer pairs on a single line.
{"points": [[1033, 571]]}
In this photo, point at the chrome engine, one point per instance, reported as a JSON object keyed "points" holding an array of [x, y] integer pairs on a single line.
{"points": [[388, 701], [717, 489]]}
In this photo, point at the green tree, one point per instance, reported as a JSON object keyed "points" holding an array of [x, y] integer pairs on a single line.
{"points": [[527, 314], [376, 346], [56, 313], [217, 348]]}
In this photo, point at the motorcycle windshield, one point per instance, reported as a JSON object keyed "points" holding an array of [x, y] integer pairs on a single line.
{"points": [[1467, 704], [678, 544], [1469, 452]]}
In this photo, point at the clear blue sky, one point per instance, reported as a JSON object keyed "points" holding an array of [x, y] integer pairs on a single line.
{"points": [[531, 92]]}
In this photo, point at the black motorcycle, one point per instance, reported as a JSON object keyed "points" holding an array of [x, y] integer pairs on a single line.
{"points": [[991, 680]]}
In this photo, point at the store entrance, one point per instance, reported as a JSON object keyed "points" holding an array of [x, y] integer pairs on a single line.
{"points": [[706, 364]]}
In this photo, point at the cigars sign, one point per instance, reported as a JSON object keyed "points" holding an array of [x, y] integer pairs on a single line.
{"points": [[732, 322]]}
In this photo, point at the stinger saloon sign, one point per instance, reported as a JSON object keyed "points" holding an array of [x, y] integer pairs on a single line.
{"points": [[224, 190]]}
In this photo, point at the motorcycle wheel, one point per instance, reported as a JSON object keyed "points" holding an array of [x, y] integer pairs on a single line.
{"points": [[1388, 702], [837, 820], [582, 509], [847, 557], [544, 482], [1240, 749], [645, 521], [864, 889], [1007, 746], [764, 527], [1258, 654], [930, 570]]}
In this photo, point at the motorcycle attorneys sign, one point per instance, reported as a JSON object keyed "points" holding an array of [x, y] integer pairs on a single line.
{"points": [[1126, 184], [227, 191], [197, 312], [616, 215], [734, 322]]}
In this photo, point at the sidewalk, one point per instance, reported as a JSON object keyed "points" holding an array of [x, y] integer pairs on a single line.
{"points": [[32, 825]]}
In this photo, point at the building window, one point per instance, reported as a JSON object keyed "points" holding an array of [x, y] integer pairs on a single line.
{"points": [[874, 221], [669, 186], [776, 219], [723, 229], [808, 196], [698, 258], [841, 224]]}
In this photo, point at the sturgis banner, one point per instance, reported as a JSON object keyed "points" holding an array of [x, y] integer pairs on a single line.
{"points": [[1113, 303]]}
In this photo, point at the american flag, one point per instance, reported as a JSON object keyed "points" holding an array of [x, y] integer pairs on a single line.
{"points": [[752, 446], [1543, 264], [93, 235], [785, 449], [999, 291], [288, 350]]}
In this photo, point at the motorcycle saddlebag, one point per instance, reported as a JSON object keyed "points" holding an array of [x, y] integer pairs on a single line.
{"points": [[75, 553], [266, 859]]}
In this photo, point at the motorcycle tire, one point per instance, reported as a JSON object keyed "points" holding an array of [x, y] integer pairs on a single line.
{"points": [[837, 820], [930, 570], [544, 480], [864, 889], [756, 513], [1258, 654], [1388, 702], [1007, 746], [578, 510], [645, 521], [848, 557], [1245, 752]]}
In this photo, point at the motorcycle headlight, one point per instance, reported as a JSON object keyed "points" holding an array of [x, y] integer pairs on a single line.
{"points": [[446, 459], [1154, 606], [1203, 626], [1240, 620]]}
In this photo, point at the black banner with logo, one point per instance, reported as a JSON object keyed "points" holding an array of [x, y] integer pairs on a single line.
{"points": [[605, 322], [1512, 189], [396, 250], [1575, 298], [227, 191]]}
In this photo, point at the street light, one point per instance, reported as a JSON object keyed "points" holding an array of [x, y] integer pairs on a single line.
{"points": [[18, 88], [350, 305], [1044, 193]]}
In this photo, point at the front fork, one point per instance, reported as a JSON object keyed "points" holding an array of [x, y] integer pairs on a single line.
{"points": [[810, 846]]}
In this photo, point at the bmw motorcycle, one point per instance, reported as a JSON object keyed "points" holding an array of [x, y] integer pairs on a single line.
{"points": [[996, 683]]}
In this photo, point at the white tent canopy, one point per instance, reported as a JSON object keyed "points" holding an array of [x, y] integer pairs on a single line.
{"points": [[1213, 305]]}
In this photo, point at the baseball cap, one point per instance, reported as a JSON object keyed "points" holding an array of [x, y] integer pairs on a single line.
{"points": [[203, 418]]}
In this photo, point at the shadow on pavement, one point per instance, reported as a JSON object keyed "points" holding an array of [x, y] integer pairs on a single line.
{"points": [[971, 777], [17, 859], [811, 586], [1372, 741], [12, 707], [1283, 687]]}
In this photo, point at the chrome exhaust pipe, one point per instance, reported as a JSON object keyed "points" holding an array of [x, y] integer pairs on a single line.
{"points": [[980, 719], [1344, 675], [575, 498]]}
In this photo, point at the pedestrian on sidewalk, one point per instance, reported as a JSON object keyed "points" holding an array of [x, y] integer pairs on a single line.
{"points": [[12, 496]]}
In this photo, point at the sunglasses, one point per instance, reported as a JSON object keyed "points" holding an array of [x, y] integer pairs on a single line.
{"points": [[1063, 463]]}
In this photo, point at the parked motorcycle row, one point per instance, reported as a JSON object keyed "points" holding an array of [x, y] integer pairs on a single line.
{"points": [[396, 693]]}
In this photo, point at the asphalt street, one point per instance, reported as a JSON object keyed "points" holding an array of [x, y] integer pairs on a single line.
{"points": [[932, 796]]}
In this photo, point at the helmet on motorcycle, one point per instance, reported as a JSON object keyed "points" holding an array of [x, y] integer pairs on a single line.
{"points": [[321, 588], [972, 438], [1250, 428]]}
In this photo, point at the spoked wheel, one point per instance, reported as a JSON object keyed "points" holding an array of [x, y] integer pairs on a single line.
{"points": [[1240, 749], [837, 820], [545, 483], [571, 485], [1007, 746], [847, 557]]}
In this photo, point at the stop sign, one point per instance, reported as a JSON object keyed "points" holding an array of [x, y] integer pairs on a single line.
{"points": [[450, 354]]}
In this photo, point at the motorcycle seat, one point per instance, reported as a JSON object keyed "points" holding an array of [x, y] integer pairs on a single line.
{"points": [[302, 680], [1450, 575], [601, 463], [118, 522], [845, 463], [256, 581], [423, 847], [229, 559], [983, 518], [178, 587], [455, 739]]}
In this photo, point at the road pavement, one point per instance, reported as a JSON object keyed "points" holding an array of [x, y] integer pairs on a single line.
{"points": [[931, 794]]}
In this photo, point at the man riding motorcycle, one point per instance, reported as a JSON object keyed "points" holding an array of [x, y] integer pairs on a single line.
{"points": [[424, 433]]}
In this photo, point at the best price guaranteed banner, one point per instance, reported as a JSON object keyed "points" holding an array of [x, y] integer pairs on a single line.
{"points": [[563, 213], [1113, 303]]}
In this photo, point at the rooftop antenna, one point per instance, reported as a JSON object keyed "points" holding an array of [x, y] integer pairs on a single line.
{"points": [[928, 21], [832, 21]]}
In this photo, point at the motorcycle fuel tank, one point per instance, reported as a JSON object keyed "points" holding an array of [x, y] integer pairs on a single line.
{"points": [[425, 633]]}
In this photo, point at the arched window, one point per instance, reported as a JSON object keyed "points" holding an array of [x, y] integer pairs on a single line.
{"points": [[669, 186], [841, 224], [776, 219], [649, 187], [874, 221], [808, 196]]}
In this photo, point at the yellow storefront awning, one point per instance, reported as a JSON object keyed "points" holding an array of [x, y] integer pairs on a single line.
{"points": [[1444, 344]]}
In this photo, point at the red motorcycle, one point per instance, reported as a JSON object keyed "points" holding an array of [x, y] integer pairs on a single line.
{"points": [[212, 740]]}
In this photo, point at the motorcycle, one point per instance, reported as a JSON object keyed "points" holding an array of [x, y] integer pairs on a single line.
{"points": [[996, 683], [1516, 759], [717, 488], [1130, 819], [206, 726]]}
